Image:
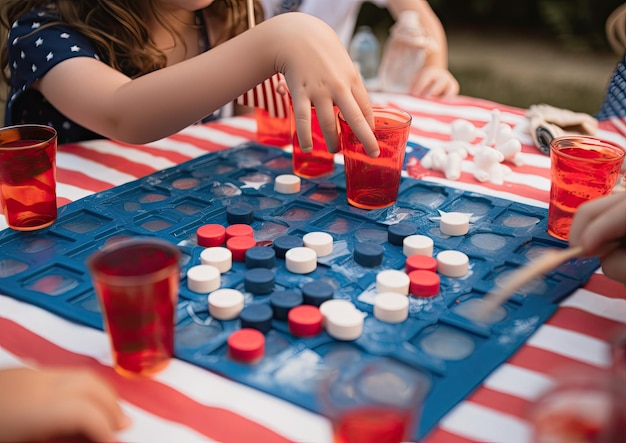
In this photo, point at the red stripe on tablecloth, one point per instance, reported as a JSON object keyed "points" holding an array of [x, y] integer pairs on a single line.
{"points": [[154, 397], [583, 322], [172, 155], [112, 161], [601, 284], [501, 402], [545, 362], [81, 180], [441, 436], [479, 103], [62, 201]]}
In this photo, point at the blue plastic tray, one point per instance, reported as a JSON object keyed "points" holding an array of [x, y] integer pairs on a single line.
{"points": [[47, 268]]}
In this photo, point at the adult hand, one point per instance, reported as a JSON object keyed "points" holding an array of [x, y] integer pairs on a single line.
{"points": [[433, 81], [38, 405]]}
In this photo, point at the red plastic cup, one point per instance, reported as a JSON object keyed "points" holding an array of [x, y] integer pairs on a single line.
{"points": [[582, 168], [137, 283], [373, 183], [319, 161], [28, 176]]}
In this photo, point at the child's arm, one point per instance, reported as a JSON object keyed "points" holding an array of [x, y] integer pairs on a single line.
{"points": [[317, 68], [39, 405], [599, 222], [434, 79]]}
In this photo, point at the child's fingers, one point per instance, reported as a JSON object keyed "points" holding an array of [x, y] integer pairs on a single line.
{"points": [[598, 222], [302, 119], [328, 124]]}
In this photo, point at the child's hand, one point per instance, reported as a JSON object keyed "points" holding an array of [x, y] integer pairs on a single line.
{"points": [[319, 72], [597, 223], [38, 405]]}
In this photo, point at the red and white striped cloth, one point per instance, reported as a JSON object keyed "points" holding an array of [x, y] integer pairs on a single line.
{"points": [[189, 404]]}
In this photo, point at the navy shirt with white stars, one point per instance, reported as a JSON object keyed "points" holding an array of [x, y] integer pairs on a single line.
{"points": [[34, 49]]}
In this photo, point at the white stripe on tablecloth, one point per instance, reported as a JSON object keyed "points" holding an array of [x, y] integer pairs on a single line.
{"points": [[247, 124], [204, 132], [482, 424], [128, 153], [518, 382], [199, 384], [611, 308], [71, 192], [571, 344], [169, 145], [3, 223], [103, 173], [147, 427]]}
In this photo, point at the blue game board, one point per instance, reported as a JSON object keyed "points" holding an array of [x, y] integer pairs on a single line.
{"points": [[47, 268]]}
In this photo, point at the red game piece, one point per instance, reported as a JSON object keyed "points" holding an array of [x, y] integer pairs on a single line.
{"points": [[418, 261], [211, 235], [246, 345], [239, 230], [305, 320], [239, 245], [424, 283]]}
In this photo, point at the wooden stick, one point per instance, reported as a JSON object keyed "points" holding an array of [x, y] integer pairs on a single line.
{"points": [[546, 263]]}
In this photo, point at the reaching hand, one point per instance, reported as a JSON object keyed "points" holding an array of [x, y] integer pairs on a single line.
{"points": [[39, 405], [320, 73], [433, 81], [599, 222]]}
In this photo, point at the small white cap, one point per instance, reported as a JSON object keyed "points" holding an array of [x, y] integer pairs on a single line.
{"points": [[391, 307], [225, 303], [203, 278], [452, 263], [345, 324], [321, 242], [218, 256], [333, 306], [417, 244], [287, 184], [392, 280], [301, 260], [454, 223]]}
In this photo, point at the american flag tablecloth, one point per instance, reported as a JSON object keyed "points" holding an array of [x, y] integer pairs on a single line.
{"points": [[189, 404]]}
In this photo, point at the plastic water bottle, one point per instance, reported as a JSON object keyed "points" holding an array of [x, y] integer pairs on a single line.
{"points": [[365, 52], [404, 54]]}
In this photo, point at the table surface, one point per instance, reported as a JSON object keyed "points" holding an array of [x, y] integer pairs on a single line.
{"points": [[191, 404]]}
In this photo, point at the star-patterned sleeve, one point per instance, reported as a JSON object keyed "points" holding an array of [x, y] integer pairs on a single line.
{"points": [[34, 48], [38, 41]]}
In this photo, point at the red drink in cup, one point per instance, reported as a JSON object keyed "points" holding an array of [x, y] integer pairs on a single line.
{"points": [[275, 131], [137, 285], [319, 161], [582, 169], [373, 183], [28, 176], [378, 401]]}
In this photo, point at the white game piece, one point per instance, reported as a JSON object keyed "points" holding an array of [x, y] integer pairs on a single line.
{"points": [[345, 325], [203, 278], [335, 305], [218, 256], [392, 280], [391, 307], [320, 242], [417, 244], [463, 130], [287, 184], [301, 260], [453, 167], [225, 303], [452, 263], [512, 151], [435, 159], [454, 223]]}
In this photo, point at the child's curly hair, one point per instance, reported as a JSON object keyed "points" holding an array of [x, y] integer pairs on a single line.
{"points": [[119, 28]]}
